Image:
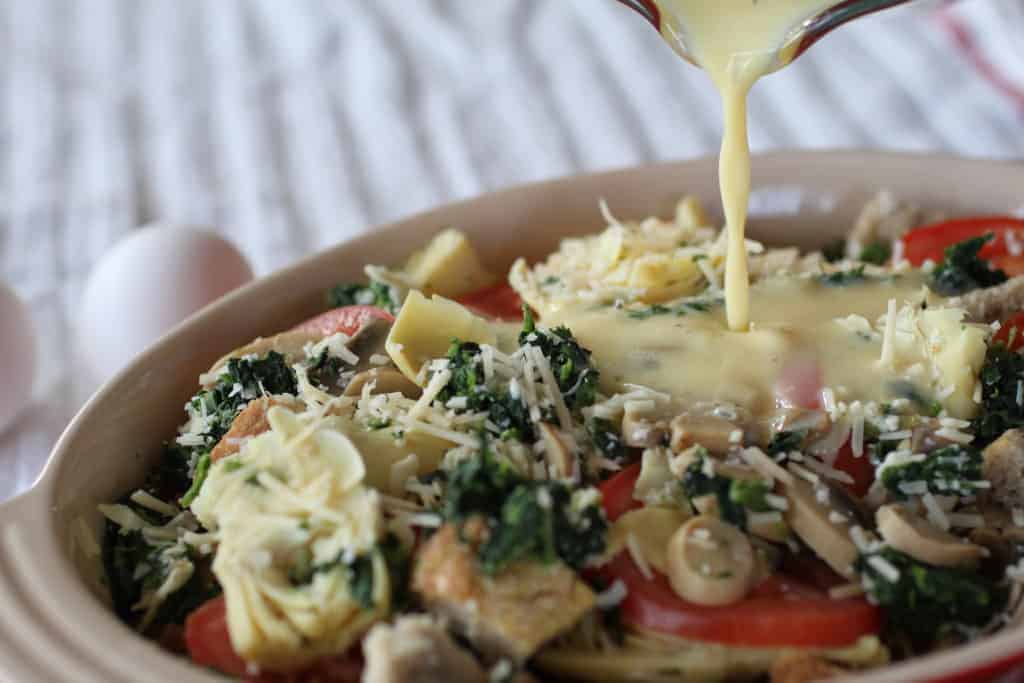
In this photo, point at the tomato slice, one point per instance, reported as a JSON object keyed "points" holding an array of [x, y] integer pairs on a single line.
{"points": [[209, 644], [1011, 332], [860, 469], [500, 301], [207, 639], [347, 319], [800, 383], [617, 492], [930, 241], [780, 612], [1011, 265]]}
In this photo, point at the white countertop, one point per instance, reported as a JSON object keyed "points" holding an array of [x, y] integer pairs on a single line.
{"points": [[292, 125]]}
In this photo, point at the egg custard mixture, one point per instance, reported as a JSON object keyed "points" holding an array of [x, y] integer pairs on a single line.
{"points": [[582, 473]]}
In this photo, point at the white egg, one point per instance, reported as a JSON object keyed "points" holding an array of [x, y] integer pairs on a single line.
{"points": [[18, 360], [149, 282]]}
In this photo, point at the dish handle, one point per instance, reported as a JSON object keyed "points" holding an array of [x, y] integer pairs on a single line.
{"points": [[29, 647]]}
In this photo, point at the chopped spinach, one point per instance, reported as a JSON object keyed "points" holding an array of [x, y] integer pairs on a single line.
{"points": [[876, 253], [134, 566], [951, 470], [928, 602], [354, 294], [834, 251], [926, 406], [326, 371], [243, 380], [786, 441], [962, 269], [542, 521], [679, 310], [509, 413], [734, 496], [359, 571], [577, 378], [360, 580], [606, 438], [202, 469], [843, 278], [1001, 375]]}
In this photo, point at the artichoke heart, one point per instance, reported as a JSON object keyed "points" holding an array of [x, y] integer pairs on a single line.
{"points": [[297, 529]]}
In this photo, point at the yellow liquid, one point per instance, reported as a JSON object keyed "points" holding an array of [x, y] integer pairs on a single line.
{"points": [[736, 42]]}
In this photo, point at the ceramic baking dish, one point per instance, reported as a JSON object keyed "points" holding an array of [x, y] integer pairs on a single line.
{"points": [[55, 624]]}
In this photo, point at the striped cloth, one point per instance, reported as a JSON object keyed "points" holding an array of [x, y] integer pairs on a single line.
{"points": [[291, 125]]}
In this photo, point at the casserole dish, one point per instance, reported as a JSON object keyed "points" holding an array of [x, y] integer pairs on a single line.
{"points": [[54, 623]]}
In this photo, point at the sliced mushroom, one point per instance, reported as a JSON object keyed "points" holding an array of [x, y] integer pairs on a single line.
{"points": [[770, 526], [561, 461], [734, 471], [369, 342], [713, 433], [710, 562], [652, 528], [707, 505], [801, 419], [915, 536], [641, 431], [826, 534], [388, 381]]}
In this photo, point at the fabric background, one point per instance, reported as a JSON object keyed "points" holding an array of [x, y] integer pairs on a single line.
{"points": [[292, 124]]}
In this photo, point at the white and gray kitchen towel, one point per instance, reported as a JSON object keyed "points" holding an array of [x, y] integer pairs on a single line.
{"points": [[292, 124]]}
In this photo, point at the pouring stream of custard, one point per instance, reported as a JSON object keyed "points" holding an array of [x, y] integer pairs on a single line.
{"points": [[736, 42]]}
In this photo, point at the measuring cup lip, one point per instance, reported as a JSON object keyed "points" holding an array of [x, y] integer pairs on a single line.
{"points": [[648, 9], [812, 29]]}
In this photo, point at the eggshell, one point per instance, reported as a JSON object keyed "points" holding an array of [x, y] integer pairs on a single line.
{"points": [[148, 283], [18, 356]]}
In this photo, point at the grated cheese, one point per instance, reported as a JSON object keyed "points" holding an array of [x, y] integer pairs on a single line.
{"points": [[966, 520], [434, 387], [826, 471], [936, 515], [764, 517], [896, 436], [888, 571], [857, 436], [554, 393], [804, 473], [765, 466], [148, 500], [462, 438], [611, 596], [889, 337]]}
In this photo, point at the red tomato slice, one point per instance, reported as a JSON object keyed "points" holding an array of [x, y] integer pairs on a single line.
{"points": [[860, 469], [1011, 332], [1011, 265], [800, 383], [617, 492], [780, 612], [811, 570], [347, 319], [207, 639], [499, 301], [930, 241], [209, 644]]}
